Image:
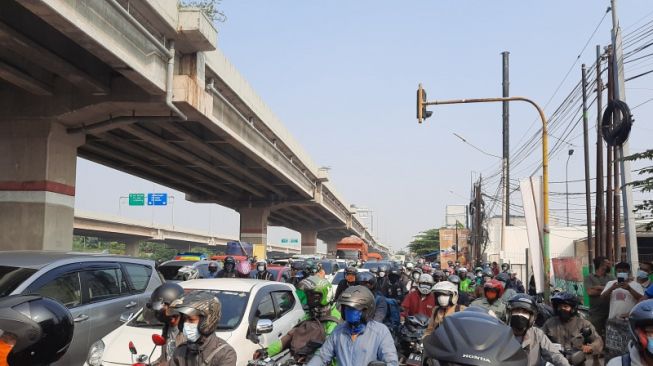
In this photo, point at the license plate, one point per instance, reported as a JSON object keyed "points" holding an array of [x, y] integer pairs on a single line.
{"points": [[414, 359]]}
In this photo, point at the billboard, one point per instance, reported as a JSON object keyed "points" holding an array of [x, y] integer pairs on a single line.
{"points": [[568, 274], [448, 247], [455, 213]]}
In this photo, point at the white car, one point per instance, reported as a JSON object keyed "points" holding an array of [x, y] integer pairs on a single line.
{"points": [[244, 303]]}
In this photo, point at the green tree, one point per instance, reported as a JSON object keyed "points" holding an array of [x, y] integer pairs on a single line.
{"points": [[644, 185], [425, 242], [209, 7]]}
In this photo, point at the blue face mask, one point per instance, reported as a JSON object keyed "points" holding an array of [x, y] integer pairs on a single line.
{"points": [[353, 316], [649, 345]]}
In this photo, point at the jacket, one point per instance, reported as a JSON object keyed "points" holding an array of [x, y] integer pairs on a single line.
{"points": [[227, 274], [498, 307], [538, 347], [568, 334], [635, 357], [265, 275], [342, 286], [173, 337], [436, 318], [381, 308], [375, 343], [194, 354], [416, 303]]}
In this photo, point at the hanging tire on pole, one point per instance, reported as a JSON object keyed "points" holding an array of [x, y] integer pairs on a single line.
{"points": [[615, 133]]}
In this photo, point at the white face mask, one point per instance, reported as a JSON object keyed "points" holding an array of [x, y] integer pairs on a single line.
{"points": [[260, 268], [443, 300], [381, 274], [191, 332]]}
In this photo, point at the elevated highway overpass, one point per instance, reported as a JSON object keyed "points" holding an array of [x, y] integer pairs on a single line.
{"points": [[139, 86]]}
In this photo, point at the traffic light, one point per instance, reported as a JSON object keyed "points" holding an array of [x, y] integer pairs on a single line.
{"points": [[422, 113]]}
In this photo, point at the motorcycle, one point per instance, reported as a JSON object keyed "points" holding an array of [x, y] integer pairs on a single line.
{"points": [[409, 339], [578, 357], [142, 359]]}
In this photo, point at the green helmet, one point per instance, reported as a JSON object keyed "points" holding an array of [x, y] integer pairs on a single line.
{"points": [[310, 267], [318, 285]]}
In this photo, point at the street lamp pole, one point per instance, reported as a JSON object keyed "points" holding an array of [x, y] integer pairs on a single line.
{"points": [[571, 152], [422, 103]]}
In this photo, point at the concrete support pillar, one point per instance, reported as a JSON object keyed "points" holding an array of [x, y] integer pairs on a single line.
{"points": [[254, 228], [331, 247], [309, 241], [37, 185], [131, 247]]}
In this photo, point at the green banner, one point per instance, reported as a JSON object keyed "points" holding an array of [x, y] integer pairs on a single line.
{"points": [[137, 199]]}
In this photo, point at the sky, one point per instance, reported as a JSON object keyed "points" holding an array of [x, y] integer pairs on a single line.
{"points": [[341, 76]]}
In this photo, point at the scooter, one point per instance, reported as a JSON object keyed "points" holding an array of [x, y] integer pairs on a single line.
{"points": [[142, 359], [409, 339]]}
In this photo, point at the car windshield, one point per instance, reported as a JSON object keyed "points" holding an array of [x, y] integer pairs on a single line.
{"points": [[12, 277], [347, 254], [328, 267], [169, 271], [338, 277], [233, 308]]}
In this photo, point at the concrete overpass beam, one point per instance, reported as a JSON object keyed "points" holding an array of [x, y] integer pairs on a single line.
{"points": [[37, 185], [309, 241], [254, 228]]}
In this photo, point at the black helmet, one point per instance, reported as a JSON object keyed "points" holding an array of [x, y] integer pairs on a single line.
{"points": [[351, 270], [438, 275], [505, 266], [263, 264], [41, 328], [359, 298], [204, 304], [374, 270], [522, 301], [503, 277], [454, 279], [213, 265], [310, 267], [640, 317], [163, 295], [473, 338], [298, 265], [366, 279], [230, 260], [564, 298], [487, 272], [383, 270]]}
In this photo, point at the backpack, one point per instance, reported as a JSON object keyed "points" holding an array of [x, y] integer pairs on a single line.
{"points": [[393, 316], [309, 335]]}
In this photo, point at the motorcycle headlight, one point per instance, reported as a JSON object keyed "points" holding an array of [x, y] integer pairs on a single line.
{"points": [[95, 354]]}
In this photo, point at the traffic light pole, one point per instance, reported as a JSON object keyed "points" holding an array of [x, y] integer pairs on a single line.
{"points": [[545, 163]]}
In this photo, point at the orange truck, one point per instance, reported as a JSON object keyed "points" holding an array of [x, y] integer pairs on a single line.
{"points": [[352, 248]]}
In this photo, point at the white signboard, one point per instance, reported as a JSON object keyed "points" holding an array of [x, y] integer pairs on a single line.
{"points": [[531, 190]]}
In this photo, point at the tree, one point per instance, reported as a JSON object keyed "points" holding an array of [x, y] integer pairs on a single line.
{"points": [[425, 242], [209, 7], [644, 185]]}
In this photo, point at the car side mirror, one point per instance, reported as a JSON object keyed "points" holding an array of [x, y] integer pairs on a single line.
{"points": [[126, 316], [264, 326]]}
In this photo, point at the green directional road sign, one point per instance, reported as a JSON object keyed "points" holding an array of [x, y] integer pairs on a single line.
{"points": [[284, 241], [294, 241], [137, 199]]}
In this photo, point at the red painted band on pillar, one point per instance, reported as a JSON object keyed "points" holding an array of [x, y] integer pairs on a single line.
{"points": [[39, 185], [252, 231]]}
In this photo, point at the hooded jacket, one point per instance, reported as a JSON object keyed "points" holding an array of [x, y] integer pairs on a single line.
{"points": [[635, 357], [539, 347], [568, 334]]}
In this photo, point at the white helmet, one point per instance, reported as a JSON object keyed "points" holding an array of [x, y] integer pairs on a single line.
{"points": [[446, 293], [410, 265], [425, 283]]}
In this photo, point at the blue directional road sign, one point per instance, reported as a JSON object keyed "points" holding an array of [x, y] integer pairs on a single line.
{"points": [[157, 199]]}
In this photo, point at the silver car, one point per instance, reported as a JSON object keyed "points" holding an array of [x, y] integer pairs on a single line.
{"points": [[96, 288]]}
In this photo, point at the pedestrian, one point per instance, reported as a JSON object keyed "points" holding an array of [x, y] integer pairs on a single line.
{"points": [[491, 300], [359, 340], [623, 293], [421, 301], [640, 348], [201, 312], [446, 294], [599, 307]]}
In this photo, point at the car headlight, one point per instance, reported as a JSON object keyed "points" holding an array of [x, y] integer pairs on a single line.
{"points": [[95, 354]]}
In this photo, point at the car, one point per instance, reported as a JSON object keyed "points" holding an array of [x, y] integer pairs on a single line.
{"points": [[375, 264], [244, 302], [181, 270], [279, 273], [96, 288]]}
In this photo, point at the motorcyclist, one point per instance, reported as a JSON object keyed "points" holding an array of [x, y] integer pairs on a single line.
{"points": [[201, 311], [262, 272], [640, 348], [421, 301], [472, 338], [438, 276], [505, 267], [228, 268], [521, 312], [34, 330], [310, 268], [414, 279], [213, 270], [466, 284], [318, 323], [446, 294], [371, 282], [243, 268], [159, 304], [565, 326], [359, 340], [394, 288], [349, 280], [486, 276], [297, 272], [491, 301], [516, 283], [382, 274], [508, 293], [463, 297]]}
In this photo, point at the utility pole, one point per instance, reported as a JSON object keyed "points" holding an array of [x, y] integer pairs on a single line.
{"points": [[624, 149], [506, 138], [571, 152], [588, 200], [600, 223]]}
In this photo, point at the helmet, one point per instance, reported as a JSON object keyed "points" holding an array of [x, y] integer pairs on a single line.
{"points": [[213, 266], [310, 267], [244, 267], [374, 270], [383, 270], [395, 273], [454, 279], [450, 263], [505, 266], [316, 285], [425, 284], [478, 269], [448, 289], [204, 304], [163, 295], [260, 264], [640, 317], [409, 266], [473, 338], [522, 301], [438, 275], [230, 260], [41, 328], [366, 279], [351, 270], [564, 298], [298, 265], [462, 270], [488, 272], [426, 268], [494, 285], [359, 298], [436, 265]]}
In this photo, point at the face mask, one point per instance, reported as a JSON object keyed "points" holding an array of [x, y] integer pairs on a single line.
{"points": [[519, 322], [622, 275], [443, 300], [353, 316], [381, 274], [260, 268], [479, 274], [564, 315], [649, 345], [415, 276], [191, 332], [490, 295], [351, 278]]}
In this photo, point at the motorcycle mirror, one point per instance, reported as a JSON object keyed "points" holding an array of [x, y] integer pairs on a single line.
{"points": [[158, 340], [132, 348]]}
